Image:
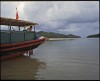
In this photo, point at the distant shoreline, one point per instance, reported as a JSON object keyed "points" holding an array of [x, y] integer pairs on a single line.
{"points": [[51, 39], [60, 38]]}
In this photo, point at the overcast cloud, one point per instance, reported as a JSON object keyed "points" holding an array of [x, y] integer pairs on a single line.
{"points": [[66, 17]]}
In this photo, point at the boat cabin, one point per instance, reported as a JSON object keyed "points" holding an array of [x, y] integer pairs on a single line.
{"points": [[12, 36]]}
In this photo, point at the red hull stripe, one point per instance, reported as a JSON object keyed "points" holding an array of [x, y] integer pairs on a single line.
{"points": [[21, 43], [14, 48]]}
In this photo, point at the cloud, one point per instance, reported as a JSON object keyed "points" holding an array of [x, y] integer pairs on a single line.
{"points": [[74, 17]]}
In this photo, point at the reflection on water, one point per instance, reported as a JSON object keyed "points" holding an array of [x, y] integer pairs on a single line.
{"points": [[70, 59], [21, 68]]}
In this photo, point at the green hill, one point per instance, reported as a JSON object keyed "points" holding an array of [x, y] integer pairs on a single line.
{"points": [[94, 36], [56, 35]]}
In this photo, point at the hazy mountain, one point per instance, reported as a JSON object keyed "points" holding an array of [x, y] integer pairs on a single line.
{"points": [[56, 35]]}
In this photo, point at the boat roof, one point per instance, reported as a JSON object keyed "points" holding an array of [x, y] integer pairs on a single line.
{"points": [[14, 22]]}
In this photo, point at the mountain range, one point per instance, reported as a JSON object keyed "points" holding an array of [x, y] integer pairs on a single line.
{"points": [[56, 35]]}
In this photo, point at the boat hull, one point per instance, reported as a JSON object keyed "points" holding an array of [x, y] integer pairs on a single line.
{"points": [[18, 49]]}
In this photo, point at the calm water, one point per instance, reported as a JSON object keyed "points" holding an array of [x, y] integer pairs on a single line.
{"points": [[71, 59]]}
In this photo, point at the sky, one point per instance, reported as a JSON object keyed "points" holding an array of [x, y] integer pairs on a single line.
{"points": [[66, 17]]}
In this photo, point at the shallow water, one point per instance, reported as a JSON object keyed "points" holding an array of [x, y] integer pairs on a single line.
{"points": [[70, 59]]}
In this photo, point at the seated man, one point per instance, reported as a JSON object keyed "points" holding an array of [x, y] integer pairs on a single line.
{"points": [[29, 29]]}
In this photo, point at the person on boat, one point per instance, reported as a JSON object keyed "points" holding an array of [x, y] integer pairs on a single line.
{"points": [[13, 29], [29, 29]]}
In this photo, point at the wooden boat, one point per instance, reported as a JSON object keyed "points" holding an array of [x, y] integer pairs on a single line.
{"points": [[14, 43]]}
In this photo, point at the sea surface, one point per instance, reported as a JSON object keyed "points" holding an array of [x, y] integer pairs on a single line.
{"points": [[70, 59]]}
